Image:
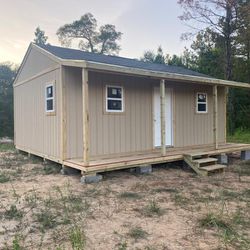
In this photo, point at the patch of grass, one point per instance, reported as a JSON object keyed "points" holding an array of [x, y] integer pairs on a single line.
{"points": [[51, 169], [32, 199], [246, 193], [77, 238], [13, 213], [241, 218], [152, 209], [16, 245], [92, 192], [180, 200], [4, 177], [212, 220], [243, 169], [129, 195], [229, 194], [165, 190], [137, 233], [240, 136], [227, 228], [122, 246], [46, 219], [6, 147]]}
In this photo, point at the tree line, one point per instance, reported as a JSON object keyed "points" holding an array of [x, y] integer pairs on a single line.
{"points": [[220, 48]]}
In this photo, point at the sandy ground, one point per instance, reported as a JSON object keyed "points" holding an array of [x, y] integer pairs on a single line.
{"points": [[162, 210]]}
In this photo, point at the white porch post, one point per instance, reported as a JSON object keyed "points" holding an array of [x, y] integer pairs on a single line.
{"points": [[163, 118], [215, 115], [85, 115]]}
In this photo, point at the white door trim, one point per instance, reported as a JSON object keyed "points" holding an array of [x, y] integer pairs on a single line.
{"points": [[156, 117]]}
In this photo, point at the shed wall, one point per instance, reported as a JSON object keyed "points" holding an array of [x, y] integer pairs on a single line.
{"points": [[127, 132], [73, 92], [132, 131], [35, 63], [192, 128], [35, 131]]}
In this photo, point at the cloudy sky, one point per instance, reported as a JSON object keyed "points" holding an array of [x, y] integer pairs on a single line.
{"points": [[145, 24]]}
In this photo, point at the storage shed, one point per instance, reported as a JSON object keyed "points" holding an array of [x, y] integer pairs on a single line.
{"points": [[98, 113]]}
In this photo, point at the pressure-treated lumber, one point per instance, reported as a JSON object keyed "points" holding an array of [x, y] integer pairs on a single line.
{"points": [[85, 115], [173, 154], [163, 118], [63, 115], [215, 116]]}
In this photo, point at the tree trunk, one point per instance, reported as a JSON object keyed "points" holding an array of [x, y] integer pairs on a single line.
{"points": [[228, 41]]}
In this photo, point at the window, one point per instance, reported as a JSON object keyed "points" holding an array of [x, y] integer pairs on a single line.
{"points": [[49, 98], [114, 99], [201, 103]]}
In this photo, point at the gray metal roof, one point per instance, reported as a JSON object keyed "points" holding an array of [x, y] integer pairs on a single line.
{"points": [[74, 54]]}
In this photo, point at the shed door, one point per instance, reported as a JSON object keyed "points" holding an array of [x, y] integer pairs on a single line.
{"points": [[157, 117]]}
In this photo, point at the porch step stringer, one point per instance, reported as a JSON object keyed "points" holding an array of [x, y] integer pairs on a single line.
{"points": [[202, 164]]}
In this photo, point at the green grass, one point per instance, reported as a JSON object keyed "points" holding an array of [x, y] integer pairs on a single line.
{"points": [[51, 169], [4, 177], [239, 136], [46, 219], [77, 238], [137, 233], [13, 213], [129, 195], [152, 209], [6, 147], [212, 220]]}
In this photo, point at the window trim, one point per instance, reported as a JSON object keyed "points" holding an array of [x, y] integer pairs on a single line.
{"points": [[113, 98], [197, 103], [50, 98]]}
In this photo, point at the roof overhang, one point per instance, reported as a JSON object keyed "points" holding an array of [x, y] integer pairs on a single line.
{"points": [[164, 75], [140, 72]]}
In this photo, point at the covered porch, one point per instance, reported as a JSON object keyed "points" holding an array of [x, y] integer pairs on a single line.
{"points": [[88, 165], [156, 157]]}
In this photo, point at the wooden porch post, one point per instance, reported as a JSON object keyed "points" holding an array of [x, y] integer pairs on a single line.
{"points": [[85, 115], [163, 118], [215, 115], [63, 115]]}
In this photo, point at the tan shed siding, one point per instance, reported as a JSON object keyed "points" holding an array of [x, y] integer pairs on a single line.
{"points": [[73, 91], [34, 130], [126, 132], [221, 114], [35, 63], [192, 128]]}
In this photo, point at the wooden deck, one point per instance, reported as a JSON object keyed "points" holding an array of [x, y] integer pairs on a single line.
{"points": [[172, 154]]}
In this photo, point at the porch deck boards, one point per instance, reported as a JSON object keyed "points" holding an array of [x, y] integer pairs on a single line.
{"points": [[143, 158]]}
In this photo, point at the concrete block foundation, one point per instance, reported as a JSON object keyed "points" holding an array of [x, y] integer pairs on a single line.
{"points": [[145, 169], [223, 159], [245, 155], [94, 178]]}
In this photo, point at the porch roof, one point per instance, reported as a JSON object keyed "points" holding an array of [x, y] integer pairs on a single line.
{"points": [[94, 61]]}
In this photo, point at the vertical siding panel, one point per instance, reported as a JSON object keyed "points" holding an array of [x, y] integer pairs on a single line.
{"points": [[37, 132]]}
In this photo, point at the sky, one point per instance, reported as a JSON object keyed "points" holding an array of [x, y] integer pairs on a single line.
{"points": [[145, 24]]}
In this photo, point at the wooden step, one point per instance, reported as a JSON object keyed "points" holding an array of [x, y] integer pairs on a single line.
{"points": [[213, 167], [193, 156], [205, 160]]}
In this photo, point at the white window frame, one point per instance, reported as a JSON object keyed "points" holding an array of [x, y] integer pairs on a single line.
{"points": [[116, 99], [197, 103], [50, 98]]}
